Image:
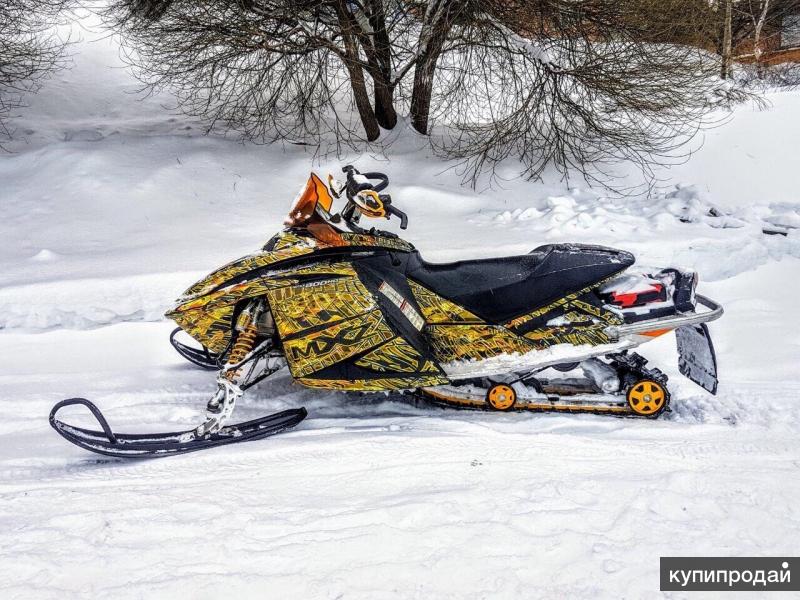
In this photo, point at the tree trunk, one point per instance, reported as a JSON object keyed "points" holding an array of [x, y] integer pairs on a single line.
{"points": [[727, 41], [361, 97], [381, 57], [438, 20], [356, 75], [384, 105], [757, 39], [423, 90]]}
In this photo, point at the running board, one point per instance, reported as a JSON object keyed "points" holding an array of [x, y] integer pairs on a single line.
{"points": [[616, 332]]}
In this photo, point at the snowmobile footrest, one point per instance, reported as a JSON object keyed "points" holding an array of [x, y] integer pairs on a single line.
{"points": [[126, 445]]}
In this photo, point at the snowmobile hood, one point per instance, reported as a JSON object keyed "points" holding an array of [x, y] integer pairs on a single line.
{"points": [[287, 245], [205, 311], [245, 264]]}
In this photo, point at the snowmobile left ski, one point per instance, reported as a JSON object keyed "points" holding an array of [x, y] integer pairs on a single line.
{"points": [[122, 445], [353, 309]]}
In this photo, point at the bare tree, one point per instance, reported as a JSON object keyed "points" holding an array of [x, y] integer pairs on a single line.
{"points": [[572, 84], [686, 22], [274, 69], [567, 83], [29, 50]]}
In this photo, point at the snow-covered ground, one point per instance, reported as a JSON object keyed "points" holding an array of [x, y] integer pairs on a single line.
{"points": [[111, 206]]}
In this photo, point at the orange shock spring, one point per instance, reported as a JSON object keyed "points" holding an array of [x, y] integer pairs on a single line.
{"points": [[244, 344]]}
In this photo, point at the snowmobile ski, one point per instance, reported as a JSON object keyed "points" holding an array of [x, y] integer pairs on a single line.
{"points": [[152, 445], [200, 357]]}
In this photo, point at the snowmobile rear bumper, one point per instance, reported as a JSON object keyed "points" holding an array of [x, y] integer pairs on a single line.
{"points": [[616, 332], [696, 357]]}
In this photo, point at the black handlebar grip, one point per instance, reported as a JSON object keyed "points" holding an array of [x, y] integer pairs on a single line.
{"points": [[398, 213]]}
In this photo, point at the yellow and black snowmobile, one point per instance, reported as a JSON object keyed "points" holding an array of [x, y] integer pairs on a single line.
{"points": [[354, 309]]}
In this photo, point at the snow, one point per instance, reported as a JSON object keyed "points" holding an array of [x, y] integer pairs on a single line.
{"points": [[629, 283], [751, 159], [111, 206], [507, 363]]}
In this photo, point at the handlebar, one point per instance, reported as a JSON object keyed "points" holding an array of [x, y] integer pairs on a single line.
{"points": [[391, 210], [353, 188]]}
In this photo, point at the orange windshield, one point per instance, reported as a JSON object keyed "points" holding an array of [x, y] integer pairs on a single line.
{"points": [[315, 193]]}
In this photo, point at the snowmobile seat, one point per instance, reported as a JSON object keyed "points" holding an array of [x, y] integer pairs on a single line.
{"points": [[499, 289]]}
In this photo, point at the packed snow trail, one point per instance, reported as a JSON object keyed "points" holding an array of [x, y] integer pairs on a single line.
{"points": [[111, 207]]}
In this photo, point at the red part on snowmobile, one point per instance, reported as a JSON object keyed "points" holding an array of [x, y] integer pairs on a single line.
{"points": [[627, 300]]}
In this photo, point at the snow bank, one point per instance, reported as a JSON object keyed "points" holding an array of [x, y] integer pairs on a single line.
{"points": [[86, 303], [680, 227]]}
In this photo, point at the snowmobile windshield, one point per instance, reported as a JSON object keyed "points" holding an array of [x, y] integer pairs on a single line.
{"points": [[314, 195]]}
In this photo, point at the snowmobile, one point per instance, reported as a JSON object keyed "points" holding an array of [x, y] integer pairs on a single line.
{"points": [[348, 308]]}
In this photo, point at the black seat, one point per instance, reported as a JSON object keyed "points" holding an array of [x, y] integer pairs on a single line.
{"points": [[499, 289]]}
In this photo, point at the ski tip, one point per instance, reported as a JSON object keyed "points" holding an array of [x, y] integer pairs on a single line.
{"points": [[59, 425]]}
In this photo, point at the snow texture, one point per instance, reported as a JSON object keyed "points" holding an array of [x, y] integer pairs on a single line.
{"points": [[112, 206]]}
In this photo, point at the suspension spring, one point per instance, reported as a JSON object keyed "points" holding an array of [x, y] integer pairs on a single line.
{"points": [[245, 342]]}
